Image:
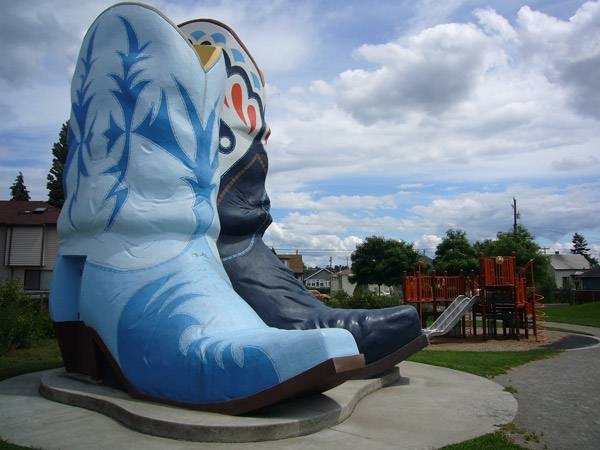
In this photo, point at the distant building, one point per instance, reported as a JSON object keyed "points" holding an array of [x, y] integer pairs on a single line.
{"points": [[295, 264], [28, 243], [567, 268], [319, 279], [588, 280], [340, 281]]}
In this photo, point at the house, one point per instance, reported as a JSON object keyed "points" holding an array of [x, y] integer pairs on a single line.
{"points": [[28, 243], [320, 279], [589, 280], [567, 267], [295, 264], [340, 281]]}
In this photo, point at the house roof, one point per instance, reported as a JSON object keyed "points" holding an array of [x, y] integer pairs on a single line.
{"points": [[327, 271], [27, 213], [425, 259], [343, 272], [592, 273], [294, 262], [569, 262]]}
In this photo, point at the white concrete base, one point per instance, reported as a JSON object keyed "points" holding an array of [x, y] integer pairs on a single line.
{"points": [[284, 420], [437, 407]]}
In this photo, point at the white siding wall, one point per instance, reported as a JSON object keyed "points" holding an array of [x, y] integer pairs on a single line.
{"points": [[4, 271], [25, 247], [51, 247], [21, 248]]}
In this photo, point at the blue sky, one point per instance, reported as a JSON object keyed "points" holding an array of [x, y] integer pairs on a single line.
{"points": [[394, 118]]}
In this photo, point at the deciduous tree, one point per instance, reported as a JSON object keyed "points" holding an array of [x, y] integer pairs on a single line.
{"points": [[455, 253], [382, 261], [523, 244]]}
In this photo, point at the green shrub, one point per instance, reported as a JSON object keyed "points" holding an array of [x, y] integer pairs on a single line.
{"points": [[363, 299], [23, 320]]}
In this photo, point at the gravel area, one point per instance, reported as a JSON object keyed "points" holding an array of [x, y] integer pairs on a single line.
{"points": [[546, 339]]}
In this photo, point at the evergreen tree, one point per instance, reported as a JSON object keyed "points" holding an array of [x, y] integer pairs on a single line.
{"points": [[18, 190], [56, 196], [580, 247]]}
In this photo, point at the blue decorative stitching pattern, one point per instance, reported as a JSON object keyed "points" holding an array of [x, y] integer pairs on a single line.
{"points": [[127, 96], [160, 131], [242, 252], [80, 141], [142, 351]]}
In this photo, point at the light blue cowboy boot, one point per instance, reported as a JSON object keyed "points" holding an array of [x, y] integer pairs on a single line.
{"points": [[385, 336], [139, 286]]}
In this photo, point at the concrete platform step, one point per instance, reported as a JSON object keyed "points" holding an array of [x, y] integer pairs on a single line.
{"points": [[288, 419]]}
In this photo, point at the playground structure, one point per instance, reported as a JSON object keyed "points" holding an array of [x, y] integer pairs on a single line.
{"points": [[500, 297]]}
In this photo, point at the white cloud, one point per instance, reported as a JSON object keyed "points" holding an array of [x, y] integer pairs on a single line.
{"points": [[549, 213], [428, 72], [567, 52], [568, 164], [428, 243], [496, 25], [304, 200], [479, 102]]}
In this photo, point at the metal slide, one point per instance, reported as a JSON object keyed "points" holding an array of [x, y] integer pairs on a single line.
{"points": [[450, 317]]}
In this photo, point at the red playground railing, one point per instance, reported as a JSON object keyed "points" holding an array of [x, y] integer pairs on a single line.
{"points": [[507, 297]]}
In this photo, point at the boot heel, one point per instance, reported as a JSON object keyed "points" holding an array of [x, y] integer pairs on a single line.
{"points": [[85, 355], [78, 350]]}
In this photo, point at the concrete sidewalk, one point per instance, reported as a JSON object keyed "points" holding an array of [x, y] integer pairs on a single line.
{"points": [[437, 407]]}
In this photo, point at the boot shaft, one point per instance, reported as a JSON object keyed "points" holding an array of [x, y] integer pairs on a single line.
{"points": [[143, 142]]}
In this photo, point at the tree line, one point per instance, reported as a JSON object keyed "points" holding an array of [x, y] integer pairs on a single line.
{"points": [[384, 261], [56, 197]]}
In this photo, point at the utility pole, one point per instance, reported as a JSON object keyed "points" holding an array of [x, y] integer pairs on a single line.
{"points": [[515, 216]]}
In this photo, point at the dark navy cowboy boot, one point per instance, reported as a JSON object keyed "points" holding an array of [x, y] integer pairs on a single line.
{"points": [[385, 336]]}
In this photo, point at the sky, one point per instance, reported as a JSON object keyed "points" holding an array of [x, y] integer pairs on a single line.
{"points": [[400, 119]]}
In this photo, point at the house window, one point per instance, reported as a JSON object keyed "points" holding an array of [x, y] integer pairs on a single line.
{"points": [[31, 280]]}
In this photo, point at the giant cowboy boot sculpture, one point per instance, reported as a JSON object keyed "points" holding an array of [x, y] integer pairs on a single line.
{"points": [[385, 336], [139, 293]]}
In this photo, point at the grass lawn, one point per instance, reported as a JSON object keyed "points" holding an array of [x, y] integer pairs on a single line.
{"points": [[485, 364], [7, 446], [492, 441], [586, 314], [42, 355]]}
